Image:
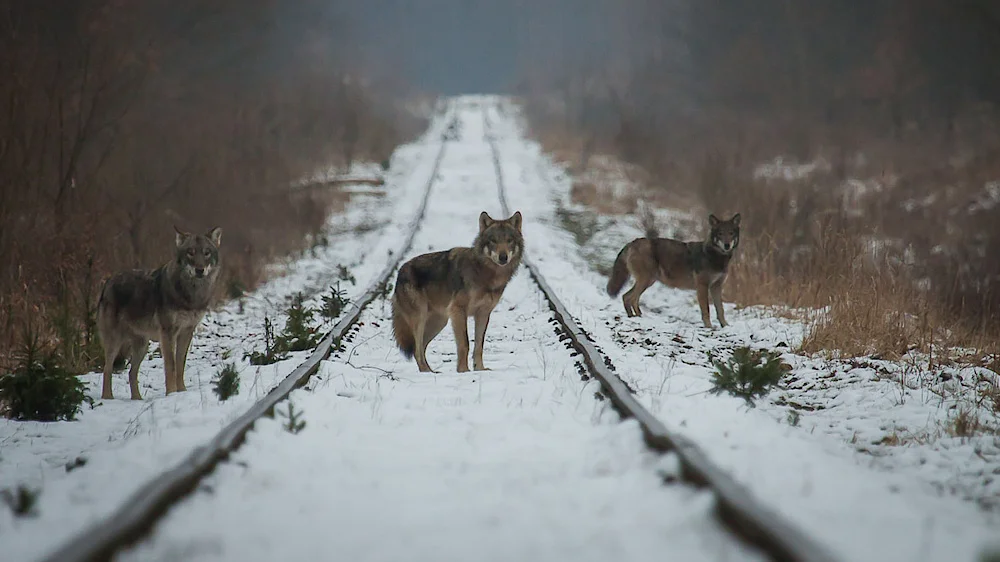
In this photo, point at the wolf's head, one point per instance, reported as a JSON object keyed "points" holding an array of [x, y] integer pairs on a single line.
{"points": [[197, 255], [725, 235], [500, 241]]}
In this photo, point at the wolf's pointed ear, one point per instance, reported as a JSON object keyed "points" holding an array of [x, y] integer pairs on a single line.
{"points": [[516, 220], [485, 221], [713, 221], [180, 236], [735, 220], [215, 235]]}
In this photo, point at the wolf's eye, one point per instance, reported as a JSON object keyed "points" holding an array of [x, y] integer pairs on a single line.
{"points": [[191, 251], [205, 252]]}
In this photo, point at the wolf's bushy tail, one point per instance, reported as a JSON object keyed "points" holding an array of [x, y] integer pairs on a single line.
{"points": [[403, 333], [400, 327], [619, 273]]}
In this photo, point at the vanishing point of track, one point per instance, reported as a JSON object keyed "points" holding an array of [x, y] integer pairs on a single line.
{"points": [[736, 508]]}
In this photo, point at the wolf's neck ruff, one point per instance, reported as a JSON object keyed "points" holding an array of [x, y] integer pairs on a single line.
{"points": [[184, 291]]}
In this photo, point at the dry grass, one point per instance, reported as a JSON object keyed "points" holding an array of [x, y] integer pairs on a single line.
{"points": [[142, 144], [852, 261]]}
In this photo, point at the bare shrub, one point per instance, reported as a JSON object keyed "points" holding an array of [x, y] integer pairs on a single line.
{"points": [[117, 122]]}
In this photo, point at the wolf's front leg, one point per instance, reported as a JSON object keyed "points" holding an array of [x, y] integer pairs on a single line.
{"points": [[183, 344], [720, 313], [482, 318], [706, 319], [168, 348], [460, 323]]}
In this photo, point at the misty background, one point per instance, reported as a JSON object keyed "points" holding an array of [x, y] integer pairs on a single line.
{"points": [[120, 118], [479, 46]]}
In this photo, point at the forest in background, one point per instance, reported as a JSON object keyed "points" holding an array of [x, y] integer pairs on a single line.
{"points": [[890, 109], [120, 119]]}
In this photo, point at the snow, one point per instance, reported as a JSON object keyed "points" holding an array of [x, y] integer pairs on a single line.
{"points": [[988, 199], [518, 463], [865, 500], [780, 169], [524, 461], [127, 442]]}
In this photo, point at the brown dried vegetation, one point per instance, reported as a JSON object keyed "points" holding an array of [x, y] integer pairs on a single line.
{"points": [[884, 224], [120, 119]]}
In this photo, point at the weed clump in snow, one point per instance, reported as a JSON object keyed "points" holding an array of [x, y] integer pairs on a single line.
{"points": [[40, 388], [293, 419], [345, 274], [226, 383], [794, 418], [747, 374], [272, 352], [21, 500]]}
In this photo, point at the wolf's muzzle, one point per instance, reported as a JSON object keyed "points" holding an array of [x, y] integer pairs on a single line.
{"points": [[199, 272], [502, 258]]}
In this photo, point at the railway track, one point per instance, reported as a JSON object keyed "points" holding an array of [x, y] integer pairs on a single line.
{"points": [[140, 512], [736, 509]]}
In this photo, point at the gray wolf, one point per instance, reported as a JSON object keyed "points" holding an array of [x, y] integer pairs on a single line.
{"points": [[686, 265], [455, 284], [165, 305]]}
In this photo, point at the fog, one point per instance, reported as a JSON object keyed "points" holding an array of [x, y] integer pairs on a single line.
{"points": [[477, 46]]}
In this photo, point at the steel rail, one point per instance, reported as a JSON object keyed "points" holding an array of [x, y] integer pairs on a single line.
{"points": [[134, 518], [735, 506]]}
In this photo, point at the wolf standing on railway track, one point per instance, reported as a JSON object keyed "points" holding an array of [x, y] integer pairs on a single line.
{"points": [[685, 265], [455, 284], [165, 305]]}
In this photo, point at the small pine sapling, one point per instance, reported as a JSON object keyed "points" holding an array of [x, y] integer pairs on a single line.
{"points": [[747, 374], [334, 303], [298, 335], [226, 383], [40, 388], [293, 419]]}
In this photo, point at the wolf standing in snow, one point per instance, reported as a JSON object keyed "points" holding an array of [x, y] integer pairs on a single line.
{"points": [[685, 265], [165, 305], [455, 284]]}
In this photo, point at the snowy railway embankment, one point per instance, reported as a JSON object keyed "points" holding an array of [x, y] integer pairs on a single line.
{"points": [[346, 451]]}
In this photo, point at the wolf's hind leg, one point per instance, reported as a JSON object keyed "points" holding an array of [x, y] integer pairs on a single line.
{"points": [[137, 352], [419, 325], [631, 298], [183, 344], [111, 349], [720, 313], [435, 323], [430, 328]]}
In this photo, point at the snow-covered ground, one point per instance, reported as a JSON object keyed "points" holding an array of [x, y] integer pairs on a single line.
{"points": [[835, 472], [520, 462], [124, 443]]}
